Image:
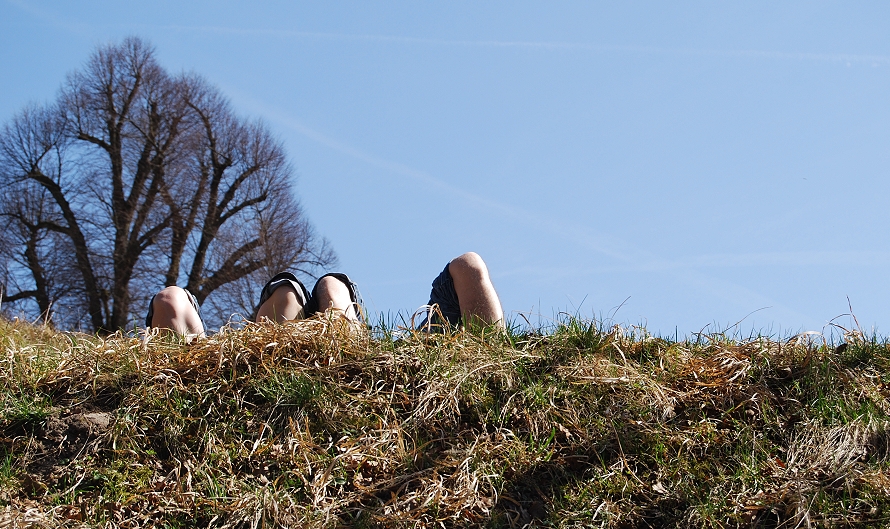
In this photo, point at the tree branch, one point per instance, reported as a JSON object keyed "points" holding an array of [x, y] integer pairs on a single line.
{"points": [[19, 295]]}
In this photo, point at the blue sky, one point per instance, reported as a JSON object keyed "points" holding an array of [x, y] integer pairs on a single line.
{"points": [[675, 165]]}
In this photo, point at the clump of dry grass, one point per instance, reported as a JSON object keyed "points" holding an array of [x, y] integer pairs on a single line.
{"points": [[310, 424]]}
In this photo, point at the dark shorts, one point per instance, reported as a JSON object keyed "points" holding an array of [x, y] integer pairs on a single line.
{"points": [[443, 303]]}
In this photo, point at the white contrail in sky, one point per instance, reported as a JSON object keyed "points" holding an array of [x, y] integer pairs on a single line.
{"points": [[546, 45], [592, 242]]}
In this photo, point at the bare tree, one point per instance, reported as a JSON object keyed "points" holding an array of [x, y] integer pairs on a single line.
{"points": [[146, 179]]}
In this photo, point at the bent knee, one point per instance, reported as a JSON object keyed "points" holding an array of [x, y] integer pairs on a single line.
{"points": [[468, 264], [285, 293], [173, 297], [172, 308], [284, 303], [329, 288]]}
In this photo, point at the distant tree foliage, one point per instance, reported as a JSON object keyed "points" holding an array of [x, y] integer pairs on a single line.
{"points": [[134, 179]]}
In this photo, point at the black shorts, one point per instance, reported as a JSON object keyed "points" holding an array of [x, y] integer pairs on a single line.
{"points": [[443, 303]]}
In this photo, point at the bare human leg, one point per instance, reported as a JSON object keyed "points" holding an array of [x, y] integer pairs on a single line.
{"points": [[475, 292], [333, 294], [174, 311], [283, 305]]}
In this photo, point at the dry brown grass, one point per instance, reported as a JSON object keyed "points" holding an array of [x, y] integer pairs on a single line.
{"points": [[309, 424]]}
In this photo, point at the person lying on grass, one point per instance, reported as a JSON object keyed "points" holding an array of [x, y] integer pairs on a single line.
{"points": [[461, 294]]}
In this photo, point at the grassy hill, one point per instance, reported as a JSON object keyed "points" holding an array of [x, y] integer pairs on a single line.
{"points": [[308, 425]]}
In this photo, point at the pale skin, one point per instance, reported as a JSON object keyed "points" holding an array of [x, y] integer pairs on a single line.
{"points": [[284, 304], [472, 283], [475, 292], [172, 310]]}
